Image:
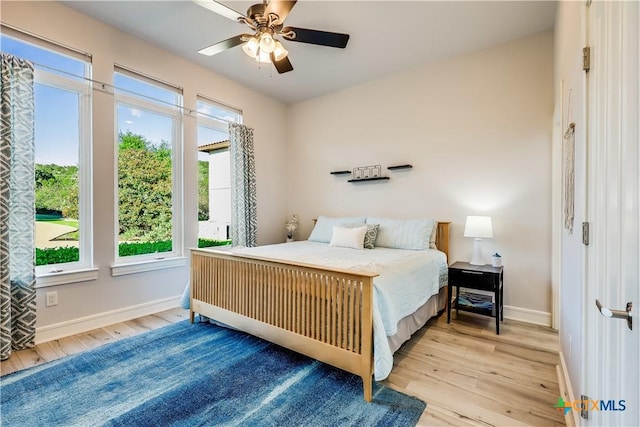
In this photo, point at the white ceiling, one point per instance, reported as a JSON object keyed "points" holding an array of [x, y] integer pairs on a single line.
{"points": [[386, 36]]}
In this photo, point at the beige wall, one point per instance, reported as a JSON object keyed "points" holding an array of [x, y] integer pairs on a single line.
{"points": [[90, 300], [477, 129]]}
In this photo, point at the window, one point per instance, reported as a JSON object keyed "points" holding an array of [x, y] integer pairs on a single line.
{"points": [[149, 175], [214, 180], [63, 184]]}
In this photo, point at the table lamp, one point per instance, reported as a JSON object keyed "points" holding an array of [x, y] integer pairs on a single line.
{"points": [[478, 227]]}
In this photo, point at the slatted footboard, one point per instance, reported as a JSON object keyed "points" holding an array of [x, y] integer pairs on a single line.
{"points": [[326, 314]]}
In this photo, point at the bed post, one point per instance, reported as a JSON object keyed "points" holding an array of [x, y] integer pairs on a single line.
{"points": [[367, 338], [442, 238]]}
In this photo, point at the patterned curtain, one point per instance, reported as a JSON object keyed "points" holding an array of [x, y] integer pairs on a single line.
{"points": [[17, 207], [244, 222]]}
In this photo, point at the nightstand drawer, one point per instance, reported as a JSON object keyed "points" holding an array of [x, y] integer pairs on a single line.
{"points": [[472, 279]]}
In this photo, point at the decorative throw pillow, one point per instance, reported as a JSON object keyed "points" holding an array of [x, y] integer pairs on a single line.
{"points": [[370, 235], [348, 237]]}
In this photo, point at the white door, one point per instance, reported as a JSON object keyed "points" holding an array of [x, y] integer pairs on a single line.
{"points": [[612, 369]]}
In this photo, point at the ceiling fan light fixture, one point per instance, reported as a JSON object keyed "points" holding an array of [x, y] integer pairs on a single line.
{"points": [[279, 53], [267, 44], [263, 57], [253, 51], [251, 47]]}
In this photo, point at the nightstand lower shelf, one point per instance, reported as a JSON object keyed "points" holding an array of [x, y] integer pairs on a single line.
{"points": [[479, 277]]}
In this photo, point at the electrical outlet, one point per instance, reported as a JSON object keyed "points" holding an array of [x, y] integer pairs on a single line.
{"points": [[51, 299]]}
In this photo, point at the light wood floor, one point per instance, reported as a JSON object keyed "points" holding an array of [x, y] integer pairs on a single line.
{"points": [[466, 373]]}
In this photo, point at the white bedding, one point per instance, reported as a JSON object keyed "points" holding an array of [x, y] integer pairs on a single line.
{"points": [[407, 280]]}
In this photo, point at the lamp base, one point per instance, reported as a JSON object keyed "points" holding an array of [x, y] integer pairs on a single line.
{"points": [[477, 259]]}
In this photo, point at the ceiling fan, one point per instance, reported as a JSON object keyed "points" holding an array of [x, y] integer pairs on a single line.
{"points": [[266, 20]]}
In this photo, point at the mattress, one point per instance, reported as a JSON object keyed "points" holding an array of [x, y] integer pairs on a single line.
{"points": [[406, 282]]}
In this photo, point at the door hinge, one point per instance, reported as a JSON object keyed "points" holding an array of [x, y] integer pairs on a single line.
{"points": [[586, 58], [585, 233], [584, 407]]}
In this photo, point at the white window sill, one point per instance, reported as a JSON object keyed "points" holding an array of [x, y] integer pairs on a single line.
{"points": [[142, 266], [65, 277]]}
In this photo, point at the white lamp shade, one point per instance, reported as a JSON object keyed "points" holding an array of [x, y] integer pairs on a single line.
{"points": [[478, 226], [267, 44], [251, 47], [279, 52]]}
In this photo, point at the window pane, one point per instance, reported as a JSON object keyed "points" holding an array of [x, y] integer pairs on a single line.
{"points": [[214, 173], [145, 204], [56, 173], [52, 61], [207, 136], [207, 109], [134, 87]]}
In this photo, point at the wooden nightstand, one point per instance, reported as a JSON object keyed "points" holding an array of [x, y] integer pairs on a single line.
{"points": [[481, 277]]}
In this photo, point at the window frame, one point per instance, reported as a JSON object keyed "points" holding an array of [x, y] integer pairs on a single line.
{"points": [[83, 269], [175, 257]]}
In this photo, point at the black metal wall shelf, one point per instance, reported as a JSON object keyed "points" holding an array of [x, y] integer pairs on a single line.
{"points": [[369, 173], [375, 178], [398, 167]]}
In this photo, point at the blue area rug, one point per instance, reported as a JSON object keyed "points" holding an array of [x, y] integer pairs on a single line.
{"points": [[196, 375]]}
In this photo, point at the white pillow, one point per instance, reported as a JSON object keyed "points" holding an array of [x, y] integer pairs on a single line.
{"points": [[324, 227], [413, 234], [348, 237], [370, 235]]}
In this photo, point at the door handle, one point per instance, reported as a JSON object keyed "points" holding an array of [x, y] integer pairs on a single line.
{"points": [[617, 314]]}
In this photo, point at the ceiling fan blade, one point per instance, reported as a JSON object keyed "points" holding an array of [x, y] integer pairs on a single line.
{"points": [[224, 45], [280, 8], [283, 66], [220, 9], [323, 38]]}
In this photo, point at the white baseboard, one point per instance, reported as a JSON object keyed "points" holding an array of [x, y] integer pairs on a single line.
{"points": [[100, 320], [527, 315], [566, 390]]}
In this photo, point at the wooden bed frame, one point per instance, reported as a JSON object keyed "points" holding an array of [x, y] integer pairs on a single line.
{"points": [[324, 313]]}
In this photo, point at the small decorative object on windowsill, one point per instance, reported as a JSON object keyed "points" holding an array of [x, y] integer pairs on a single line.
{"points": [[496, 260], [291, 224]]}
